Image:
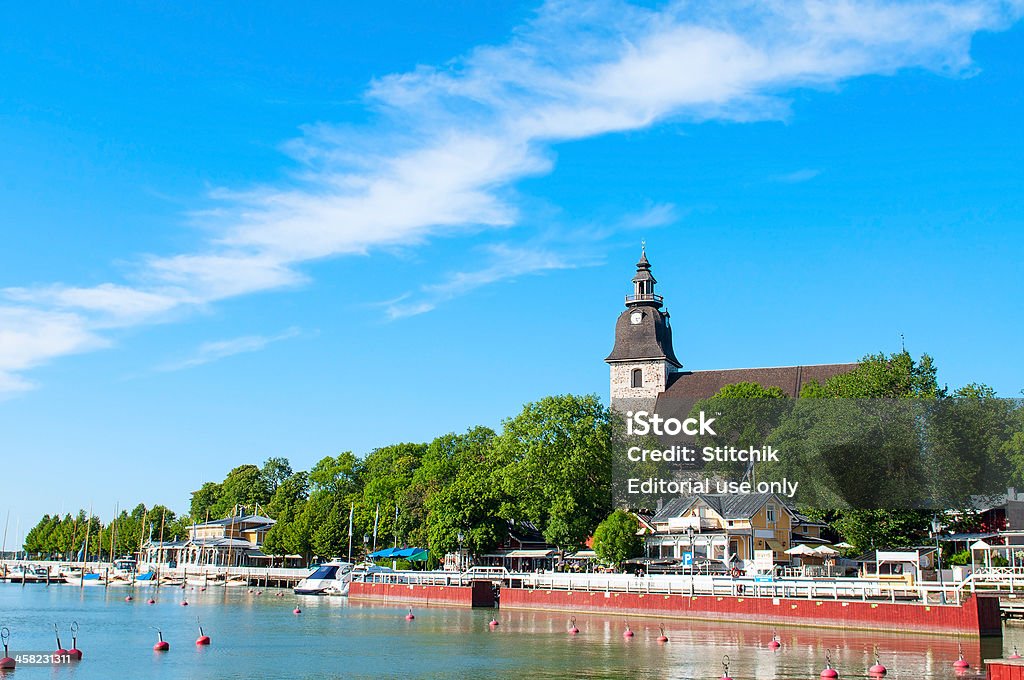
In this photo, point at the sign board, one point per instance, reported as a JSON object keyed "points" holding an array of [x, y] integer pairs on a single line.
{"points": [[764, 560], [687, 559]]}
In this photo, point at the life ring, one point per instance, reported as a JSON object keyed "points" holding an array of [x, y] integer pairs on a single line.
{"points": [[735, 572]]}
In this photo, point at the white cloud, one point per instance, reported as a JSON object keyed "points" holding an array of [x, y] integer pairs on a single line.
{"points": [[505, 262], [221, 349], [797, 176], [450, 142], [29, 338]]}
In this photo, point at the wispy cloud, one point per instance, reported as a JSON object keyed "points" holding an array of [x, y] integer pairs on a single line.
{"points": [[450, 143], [504, 262], [209, 352], [797, 176]]}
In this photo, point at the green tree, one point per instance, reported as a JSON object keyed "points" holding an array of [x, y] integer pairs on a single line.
{"points": [[289, 496], [205, 500], [556, 466], [275, 471], [243, 487], [616, 539]]}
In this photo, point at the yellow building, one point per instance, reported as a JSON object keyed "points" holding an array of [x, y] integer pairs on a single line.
{"points": [[722, 527]]}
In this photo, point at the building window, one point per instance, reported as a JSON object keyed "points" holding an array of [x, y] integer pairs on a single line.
{"points": [[638, 377], [771, 513]]}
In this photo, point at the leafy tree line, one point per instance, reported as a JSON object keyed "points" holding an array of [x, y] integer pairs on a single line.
{"points": [[550, 465], [880, 450], [64, 538]]}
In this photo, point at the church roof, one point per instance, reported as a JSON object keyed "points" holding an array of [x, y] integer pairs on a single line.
{"points": [[694, 385], [650, 339]]}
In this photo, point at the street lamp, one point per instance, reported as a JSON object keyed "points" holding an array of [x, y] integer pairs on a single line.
{"points": [[461, 538], [689, 540], [936, 526]]}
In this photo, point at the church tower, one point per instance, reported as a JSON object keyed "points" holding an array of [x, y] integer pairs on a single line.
{"points": [[642, 360]]}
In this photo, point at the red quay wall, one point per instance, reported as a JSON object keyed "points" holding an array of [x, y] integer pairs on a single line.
{"points": [[480, 594], [1005, 669], [976, 616]]}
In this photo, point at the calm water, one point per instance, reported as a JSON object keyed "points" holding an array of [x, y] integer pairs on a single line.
{"points": [[259, 636]]}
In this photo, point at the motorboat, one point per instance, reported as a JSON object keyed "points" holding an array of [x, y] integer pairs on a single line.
{"points": [[329, 578]]}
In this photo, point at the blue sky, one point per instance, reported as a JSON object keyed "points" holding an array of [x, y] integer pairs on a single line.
{"points": [[247, 231]]}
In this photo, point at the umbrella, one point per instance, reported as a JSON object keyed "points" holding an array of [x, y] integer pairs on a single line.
{"points": [[800, 550], [844, 545], [825, 550]]}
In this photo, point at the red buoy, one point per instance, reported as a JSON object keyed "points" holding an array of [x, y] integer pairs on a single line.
{"points": [[150, 601], [128, 598], [493, 623], [829, 672], [203, 638], [409, 616], [878, 669], [774, 644], [7, 663], [1015, 655], [60, 648], [961, 663], [627, 633], [184, 603], [725, 668], [662, 637]]}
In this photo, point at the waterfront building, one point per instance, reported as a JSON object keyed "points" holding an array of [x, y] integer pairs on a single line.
{"points": [[233, 541], [722, 527]]}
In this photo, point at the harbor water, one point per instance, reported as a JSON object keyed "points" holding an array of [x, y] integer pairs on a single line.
{"points": [[258, 635]]}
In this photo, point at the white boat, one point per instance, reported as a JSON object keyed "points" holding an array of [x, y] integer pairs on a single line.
{"points": [[78, 579], [330, 578], [333, 578]]}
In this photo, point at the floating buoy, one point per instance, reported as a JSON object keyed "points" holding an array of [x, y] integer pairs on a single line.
{"points": [[878, 669], [1015, 655], [75, 653], [184, 603], [662, 637], [259, 592], [409, 616], [627, 633], [296, 611], [161, 644], [128, 598], [60, 648], [774, 644], [150, 601], [203, 589], [961, 663], [7, 663], [250, 590], [725, 668], [280, 594], [203, 638], [573, 630], [494, 623], [829, 671]]}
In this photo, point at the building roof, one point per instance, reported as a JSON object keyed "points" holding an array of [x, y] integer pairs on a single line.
{"points": [[692, 386], [237, 521], [728, 506]]}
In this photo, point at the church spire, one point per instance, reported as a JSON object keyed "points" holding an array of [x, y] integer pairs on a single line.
{"points": [[643, 284]]}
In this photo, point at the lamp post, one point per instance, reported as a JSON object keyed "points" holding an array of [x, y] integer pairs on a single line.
{"points": [[689, 539], [461, 538], [936, 526], [366, 544]]}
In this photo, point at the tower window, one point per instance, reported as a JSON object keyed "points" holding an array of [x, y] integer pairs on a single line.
{"points": [[638, 377]]}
